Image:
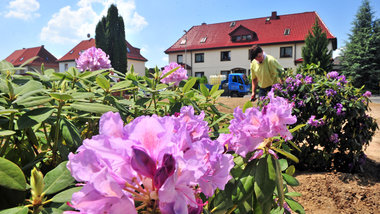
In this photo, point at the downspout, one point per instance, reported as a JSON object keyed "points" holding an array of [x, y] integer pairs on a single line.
{"points": [[191, 62], [295, 53]]}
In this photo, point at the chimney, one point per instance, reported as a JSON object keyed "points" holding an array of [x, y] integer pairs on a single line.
{"points": [[274, 15]]}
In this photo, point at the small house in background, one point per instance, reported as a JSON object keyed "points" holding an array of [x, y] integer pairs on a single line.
{"points": [[134, 56], [21, 56], [222, 48]]}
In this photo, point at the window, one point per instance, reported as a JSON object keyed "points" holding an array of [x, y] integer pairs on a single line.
{"points": [[287, 31], [199, 74], [225, 73], [72, 51], [199, 57], [183, 42], [179, 59], [238, 38], [225, 56], [249, 37], [203, 40], [286, 51], [128, 50], [21, 59], [232, 24], [66, 66]]}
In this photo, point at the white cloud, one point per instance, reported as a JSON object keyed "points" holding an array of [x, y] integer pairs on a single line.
{"points": [[23, 9], [71, 25], [165, 59], [337, 52]]}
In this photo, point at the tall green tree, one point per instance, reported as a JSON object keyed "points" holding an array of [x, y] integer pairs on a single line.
{"points": [[110, 37], [316, 48], [361, 60]]}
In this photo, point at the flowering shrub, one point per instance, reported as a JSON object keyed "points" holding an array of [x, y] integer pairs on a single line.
{"points": [[93, 59], [156, 162], [175, 77], [338, 126]]}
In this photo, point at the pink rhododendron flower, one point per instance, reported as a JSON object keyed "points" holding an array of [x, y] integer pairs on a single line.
{"points": [[177, 76], [249, 129], [93, 59], [160, 162]]}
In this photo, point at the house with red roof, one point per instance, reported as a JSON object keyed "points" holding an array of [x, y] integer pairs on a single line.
{"points": [[134, 56], [222, 48], [19, 57]]}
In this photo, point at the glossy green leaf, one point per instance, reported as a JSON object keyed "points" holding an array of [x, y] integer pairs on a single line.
{"points": [[58, 179], [61, 96], [214, 89], [283, 164], [31, 85], [170, 72], [279, 181], [11, 175], [189, 85], [248, 104], [65, 196], [34, 117], [93, 107], [15, 210], [8, 111], [70, 133], [295, 206], [290, 180], [204, 90], [290, 170], [265, 182], [103, 82], [6, 133], [286, 154], [121, 85], [34, 101], [88, 74], [293, 194]]}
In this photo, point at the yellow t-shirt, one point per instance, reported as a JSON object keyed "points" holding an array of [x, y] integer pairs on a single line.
{"points": [[266, 72]]}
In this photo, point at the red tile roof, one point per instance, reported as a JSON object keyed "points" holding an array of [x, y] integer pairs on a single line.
{"points": [[19, 57], [73, 54], [269, 30]]}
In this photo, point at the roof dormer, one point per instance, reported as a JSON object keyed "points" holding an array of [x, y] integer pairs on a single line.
{"points": [[242, 34]]}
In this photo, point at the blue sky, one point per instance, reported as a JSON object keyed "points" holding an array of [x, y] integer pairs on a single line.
{"points": [[151, 25]]}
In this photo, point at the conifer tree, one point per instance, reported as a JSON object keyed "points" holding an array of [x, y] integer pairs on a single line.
{"points": [[316, 48], [110, 36], [360, 59]]}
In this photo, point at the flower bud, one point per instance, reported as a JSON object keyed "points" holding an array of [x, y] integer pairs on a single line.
{"points": [[142, 163], [168, 162], [37, 183], [160, 177]]}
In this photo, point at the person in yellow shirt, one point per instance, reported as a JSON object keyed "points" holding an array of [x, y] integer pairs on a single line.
{"points": [[265, 70]]}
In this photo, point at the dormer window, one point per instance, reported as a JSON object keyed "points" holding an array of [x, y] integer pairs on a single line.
{"points": [[232, 24], [203, 40], [287, 31], [242, 34], [72, 51], [183, 42], [21, 59]]}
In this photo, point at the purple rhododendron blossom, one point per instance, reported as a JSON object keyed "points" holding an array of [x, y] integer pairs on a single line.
{"points": [[334, 138], [330, 92], [177, 76], [249, 129], [339, 109], [93, 59], [316, 123], [367, 94], [332, 75], [164, 161], [308, 80]]}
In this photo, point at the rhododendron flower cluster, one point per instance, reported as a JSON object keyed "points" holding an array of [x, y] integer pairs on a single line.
{"points": [[153, 164], [248, 130], [177, 76], [93, 59]]}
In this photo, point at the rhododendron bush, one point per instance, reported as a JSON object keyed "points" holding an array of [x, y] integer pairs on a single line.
{"points": [[336, 113], [158, 146]]}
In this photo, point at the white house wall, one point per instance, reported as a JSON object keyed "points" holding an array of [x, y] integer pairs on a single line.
{"points": [[138, 66], [69, 64], [212, 64]]}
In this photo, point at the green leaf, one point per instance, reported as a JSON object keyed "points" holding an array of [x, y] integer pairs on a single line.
{"points": [[220, 119], [170, 72], [291, 170], [88, 74], [103, 82], [11, 175], [93, 107], [283, 164], [204, 90], [6, 133], [15, 210], [290, 180], [279, 182], [214, 89], [65, 196], [34, 117], [244, 184], [295, 206], [58, 179], [121, 85], [189, 85], [34, 101], [293, 194], [61, 96], [248, 104], [286, 154], [265, 182], [31, 85], [297, 127], [8, 111], [70, 133]]}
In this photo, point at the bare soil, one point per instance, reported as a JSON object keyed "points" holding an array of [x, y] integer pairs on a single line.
{"points": [[336, 192]]}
